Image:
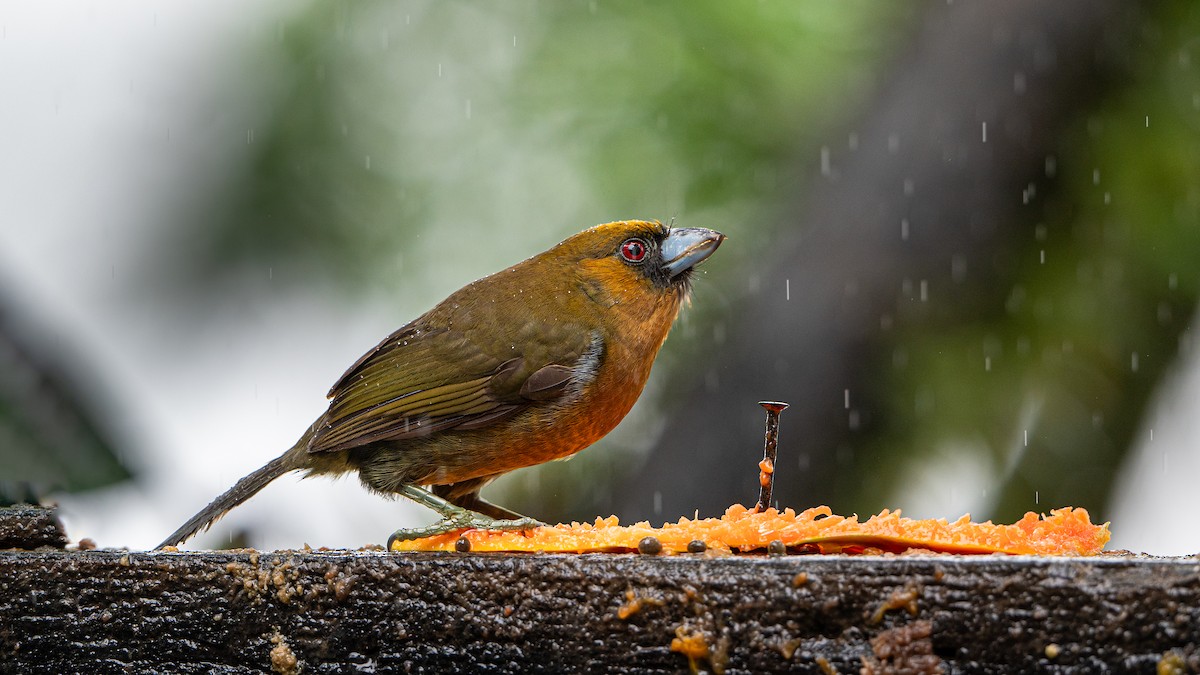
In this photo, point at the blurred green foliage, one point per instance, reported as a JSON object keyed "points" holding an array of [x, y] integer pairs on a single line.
{"points": [[1048, 372], [390, 128]]}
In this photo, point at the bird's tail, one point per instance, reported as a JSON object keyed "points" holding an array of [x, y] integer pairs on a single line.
{"points": [[243, 490]]}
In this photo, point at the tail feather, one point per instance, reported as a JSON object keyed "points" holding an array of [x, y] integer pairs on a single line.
{"points": [[243, 490]]}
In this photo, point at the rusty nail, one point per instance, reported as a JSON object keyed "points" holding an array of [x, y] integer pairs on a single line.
{"points": [[770, 446]]}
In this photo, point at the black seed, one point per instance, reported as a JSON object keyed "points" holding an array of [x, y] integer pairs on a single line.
{"points": [[650, 546], [776, 547], [697, 546], [462, 545]]}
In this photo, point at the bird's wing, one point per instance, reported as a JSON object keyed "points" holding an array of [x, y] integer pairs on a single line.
{"points": [[422, 380]]}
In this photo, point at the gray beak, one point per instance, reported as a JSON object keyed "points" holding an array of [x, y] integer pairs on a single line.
{"points": [[686, 247]]}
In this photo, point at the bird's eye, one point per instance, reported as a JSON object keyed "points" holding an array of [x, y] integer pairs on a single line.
{"points": [[633, 250]]}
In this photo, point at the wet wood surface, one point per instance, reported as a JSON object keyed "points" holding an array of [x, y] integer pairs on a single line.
{"points": [[337, 611]]}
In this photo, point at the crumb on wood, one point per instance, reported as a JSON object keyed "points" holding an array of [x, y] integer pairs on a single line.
{"points": [[694, 644], [825, 666], [905, 599], [634, 604], [1171, 663], [283, 659], [906, 649], [789, 647]]}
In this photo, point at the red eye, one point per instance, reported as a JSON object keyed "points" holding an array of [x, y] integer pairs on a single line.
{"points": [[633, 250]]}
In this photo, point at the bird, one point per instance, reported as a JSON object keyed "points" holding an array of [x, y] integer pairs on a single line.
{"points": [[531, 364]]}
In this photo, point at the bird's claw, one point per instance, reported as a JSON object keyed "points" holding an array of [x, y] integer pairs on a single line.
{"points": [[465, 521]]}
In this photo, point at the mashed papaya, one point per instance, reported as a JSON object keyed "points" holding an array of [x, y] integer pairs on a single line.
{"points": [[1066, 531]]}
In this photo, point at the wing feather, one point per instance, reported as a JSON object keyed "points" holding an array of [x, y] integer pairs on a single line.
{"points": [[423, 380]]}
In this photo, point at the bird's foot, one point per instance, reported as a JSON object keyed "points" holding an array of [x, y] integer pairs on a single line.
{"points": [[463, 521]]}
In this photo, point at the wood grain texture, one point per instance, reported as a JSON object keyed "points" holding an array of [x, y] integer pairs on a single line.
{"points": [[238, 612]]}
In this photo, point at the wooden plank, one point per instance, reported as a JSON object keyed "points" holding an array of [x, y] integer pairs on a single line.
{"points": [[333, 611], [29, 527]]}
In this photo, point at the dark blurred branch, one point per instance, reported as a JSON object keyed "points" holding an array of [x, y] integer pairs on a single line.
{"points": [[53, 431]]}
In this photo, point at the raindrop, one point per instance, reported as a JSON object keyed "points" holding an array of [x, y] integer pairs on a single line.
{"points": [[1027, 438], [1147, 121], [439, 70], [904, 229], [1164, 313], [1095, 176], [985, 132], [657, 502], [1172, 281], [712, 381], [1051, 166], [1042, 256], [787, 289], [1037, 497], [1133, 362], [1023, 346], [468, 108], [958, 268], [368, 162], [987, 363], [924, 290], [825, 170], [846, 397]]}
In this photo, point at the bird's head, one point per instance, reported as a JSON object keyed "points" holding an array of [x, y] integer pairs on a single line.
{"points": [[637, 256]]}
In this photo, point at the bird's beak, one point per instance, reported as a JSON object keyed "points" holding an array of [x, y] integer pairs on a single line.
{"points": [[686, 247]]}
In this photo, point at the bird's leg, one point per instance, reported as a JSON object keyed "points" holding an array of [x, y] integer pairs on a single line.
{"points": [[466, 495], [455, 517]]}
